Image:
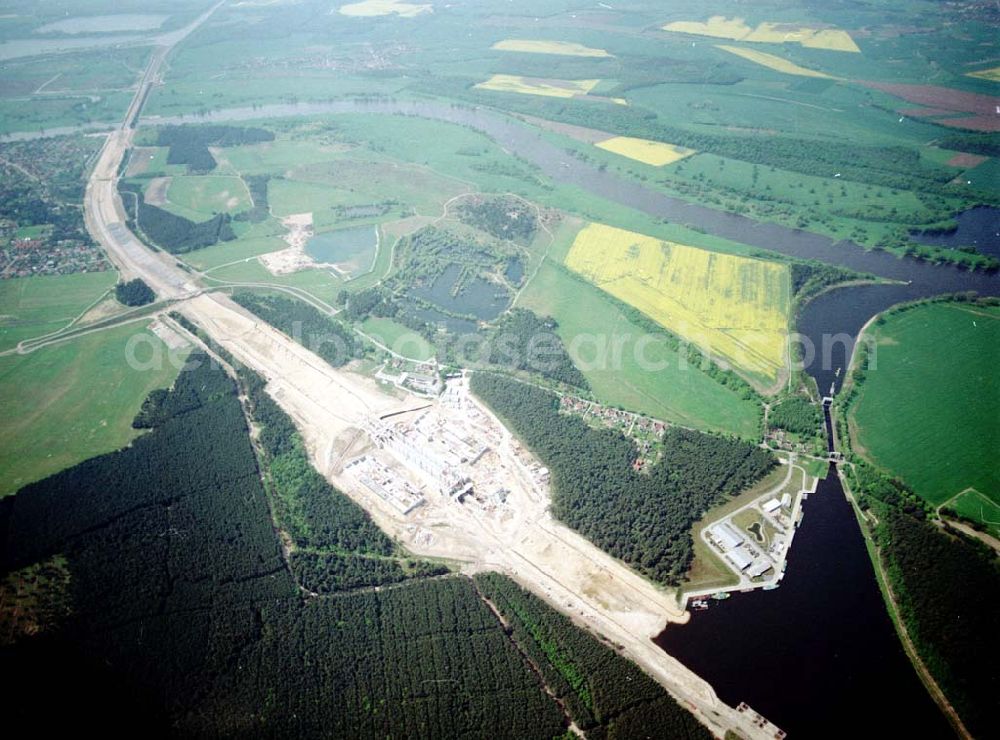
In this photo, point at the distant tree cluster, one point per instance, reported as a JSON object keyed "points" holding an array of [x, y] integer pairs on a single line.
{"points": [[797, 415], [257, 186], [521, 340], [503, 217], [134, 293], [809, 278], [189, 144], [985, 145], [644, 519], [315, 331]]}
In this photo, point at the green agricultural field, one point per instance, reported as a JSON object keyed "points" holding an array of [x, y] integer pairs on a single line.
{"points": [[589, 320], [31, 307], [50, 112], [68, 402], [928, 411], [200, 197], [246, 248], [398, 338]]}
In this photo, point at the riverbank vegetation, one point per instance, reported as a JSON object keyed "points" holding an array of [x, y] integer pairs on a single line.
{"points": [[946, 588], [644, 519]]}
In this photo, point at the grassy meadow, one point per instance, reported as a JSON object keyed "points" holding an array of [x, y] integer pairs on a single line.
{"points": [[33, 306], [928, 411], [68, 402]]}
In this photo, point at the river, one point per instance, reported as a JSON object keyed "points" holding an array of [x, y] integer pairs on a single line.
{"points": [[829, 324], [818, 656]]}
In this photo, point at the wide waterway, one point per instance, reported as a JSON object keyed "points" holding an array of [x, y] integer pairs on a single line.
{"points": [[818, 656]]}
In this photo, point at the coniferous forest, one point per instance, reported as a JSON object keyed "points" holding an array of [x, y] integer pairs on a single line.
{"points": [[174, 607], [643, 518]]}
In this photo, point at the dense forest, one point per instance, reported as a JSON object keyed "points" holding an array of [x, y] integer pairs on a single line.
{"points": [[948, 592], [643, 519], [189, 144], [183, 617], [797, 415], [502, 217], [606, 695], [523, 341], [134, 293], [304, 323], [168, 231]]}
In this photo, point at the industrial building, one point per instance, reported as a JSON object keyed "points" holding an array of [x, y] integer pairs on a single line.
{"points": [[759, 567], [740, 558], [771, 506], [385, 483], [726, 536]]}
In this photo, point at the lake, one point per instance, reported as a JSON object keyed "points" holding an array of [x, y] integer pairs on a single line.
{"points": [[351, 250]]}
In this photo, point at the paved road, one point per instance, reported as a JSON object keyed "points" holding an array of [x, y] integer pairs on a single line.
{"points": [[103, 211]]}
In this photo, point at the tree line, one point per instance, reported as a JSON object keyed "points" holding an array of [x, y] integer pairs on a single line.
{"points": [[948, 591], [307, 325], [171, 232], [189, 144], [606, 695], [644, 519]]}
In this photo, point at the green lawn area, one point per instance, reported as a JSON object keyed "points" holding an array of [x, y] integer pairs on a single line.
{"points": [[201, 197], [246, 247], [974, 505], [71, 401], [815, 468], [928, 411], [398, 338], [664, 389], [319, 283], [30, 307]]}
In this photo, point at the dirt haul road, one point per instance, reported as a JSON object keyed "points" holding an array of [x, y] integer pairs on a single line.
{"points": [[329, 406]]}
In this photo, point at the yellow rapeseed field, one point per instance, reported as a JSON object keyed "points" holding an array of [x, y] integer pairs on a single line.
{"points": [[535, 86], [987, 74], [655, 153], [736, 29], [733, 307], [776, 63], [566, 48], [368, 8]]}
